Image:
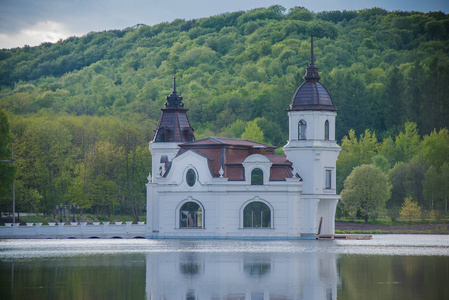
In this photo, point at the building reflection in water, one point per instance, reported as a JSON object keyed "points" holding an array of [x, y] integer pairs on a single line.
{"points": [[232, 276]]}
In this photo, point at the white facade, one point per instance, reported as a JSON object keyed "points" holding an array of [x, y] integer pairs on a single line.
{"points": [[299, 207], [222, 202]]}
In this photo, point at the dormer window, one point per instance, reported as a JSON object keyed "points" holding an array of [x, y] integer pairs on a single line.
{"points": [[302, 130], [188, 135], [256, 177], [163, 135], [326, 130], [257, 169]]}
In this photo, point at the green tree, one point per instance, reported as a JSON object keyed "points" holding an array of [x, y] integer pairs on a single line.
{"points": [[394, 99], [445, 183], [400, 185], [415, 86], [415, 176], [407, 142], [272, 132], [355, 152], [27, 199], [7, 170], [432, 187], [105, 167], [435, 148], [366, 190], [253, 133], [410, 209], [237, 128], [136, 168], [45, 160], [381, 163], [387, 150]]}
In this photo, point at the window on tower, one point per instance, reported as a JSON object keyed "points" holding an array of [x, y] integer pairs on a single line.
{"points": [[326, 130], [302, 130], [328, 183]]}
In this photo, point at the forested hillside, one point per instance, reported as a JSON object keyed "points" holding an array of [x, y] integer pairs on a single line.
{"points": [[71, 104]]}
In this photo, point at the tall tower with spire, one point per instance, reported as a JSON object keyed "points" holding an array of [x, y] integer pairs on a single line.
{"points": [[313, 150], [173, 129]]}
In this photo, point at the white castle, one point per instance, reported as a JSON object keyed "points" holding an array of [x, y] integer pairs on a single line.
{"points": [[227, 188]]}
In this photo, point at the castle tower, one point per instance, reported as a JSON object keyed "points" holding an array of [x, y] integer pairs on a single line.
{"points": [[173, 128], [313, 151]]}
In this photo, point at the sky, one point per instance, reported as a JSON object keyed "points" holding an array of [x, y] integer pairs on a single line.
{"points": [[32, 22]]}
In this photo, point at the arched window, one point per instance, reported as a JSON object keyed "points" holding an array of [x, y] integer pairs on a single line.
{"points": [[302, 130], [326, 130], [191, 215], [191, 177], [257, 215], [256, 177]]}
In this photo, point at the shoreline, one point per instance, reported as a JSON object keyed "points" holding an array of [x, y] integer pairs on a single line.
{"points": [[351, 227]]}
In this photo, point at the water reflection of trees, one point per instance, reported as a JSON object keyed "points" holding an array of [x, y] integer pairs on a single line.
{"points": [[256, 267], [190, 265], [397, 277], [190, 295]]}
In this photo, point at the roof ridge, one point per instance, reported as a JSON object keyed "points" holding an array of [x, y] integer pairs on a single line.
{"points": [[215, 139]]}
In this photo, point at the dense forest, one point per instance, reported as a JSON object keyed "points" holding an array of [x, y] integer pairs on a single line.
{"points": [[82, 111]]}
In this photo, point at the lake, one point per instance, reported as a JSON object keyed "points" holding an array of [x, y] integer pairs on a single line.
{"points": [[386, 267]]}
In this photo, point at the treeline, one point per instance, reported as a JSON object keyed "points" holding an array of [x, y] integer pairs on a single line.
{"points": [[416, 167], [237, 73], [100, 164], [382, 69]]}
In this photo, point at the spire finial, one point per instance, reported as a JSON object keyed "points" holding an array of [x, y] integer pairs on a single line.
{"points": [[174, 100], [174, 83], [312, 60], [312, 70]]}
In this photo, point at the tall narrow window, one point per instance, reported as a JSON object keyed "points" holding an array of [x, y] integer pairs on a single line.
{"points": [[256, 177], [256, 215], [302, 128], [326, 130], [191, 216], [328, 183]]}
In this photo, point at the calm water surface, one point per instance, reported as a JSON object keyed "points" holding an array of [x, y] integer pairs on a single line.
{"points": [[386, 267]]}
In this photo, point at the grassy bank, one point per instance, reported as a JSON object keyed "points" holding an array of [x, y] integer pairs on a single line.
{"points": [[385, 226]]}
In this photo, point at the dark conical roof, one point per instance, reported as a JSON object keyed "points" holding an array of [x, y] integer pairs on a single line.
{"points": [[174, 125], [312, 95]]}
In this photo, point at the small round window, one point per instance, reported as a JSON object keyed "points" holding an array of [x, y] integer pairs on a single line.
{"points": [[191, 177]]}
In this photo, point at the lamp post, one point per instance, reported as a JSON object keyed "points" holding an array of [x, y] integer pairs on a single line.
{"points": [[13, 187], [60, 208], [74, 208]]}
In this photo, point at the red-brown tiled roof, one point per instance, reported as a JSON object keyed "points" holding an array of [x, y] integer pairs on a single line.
{"points": [[227, 141], [229, 154]]}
